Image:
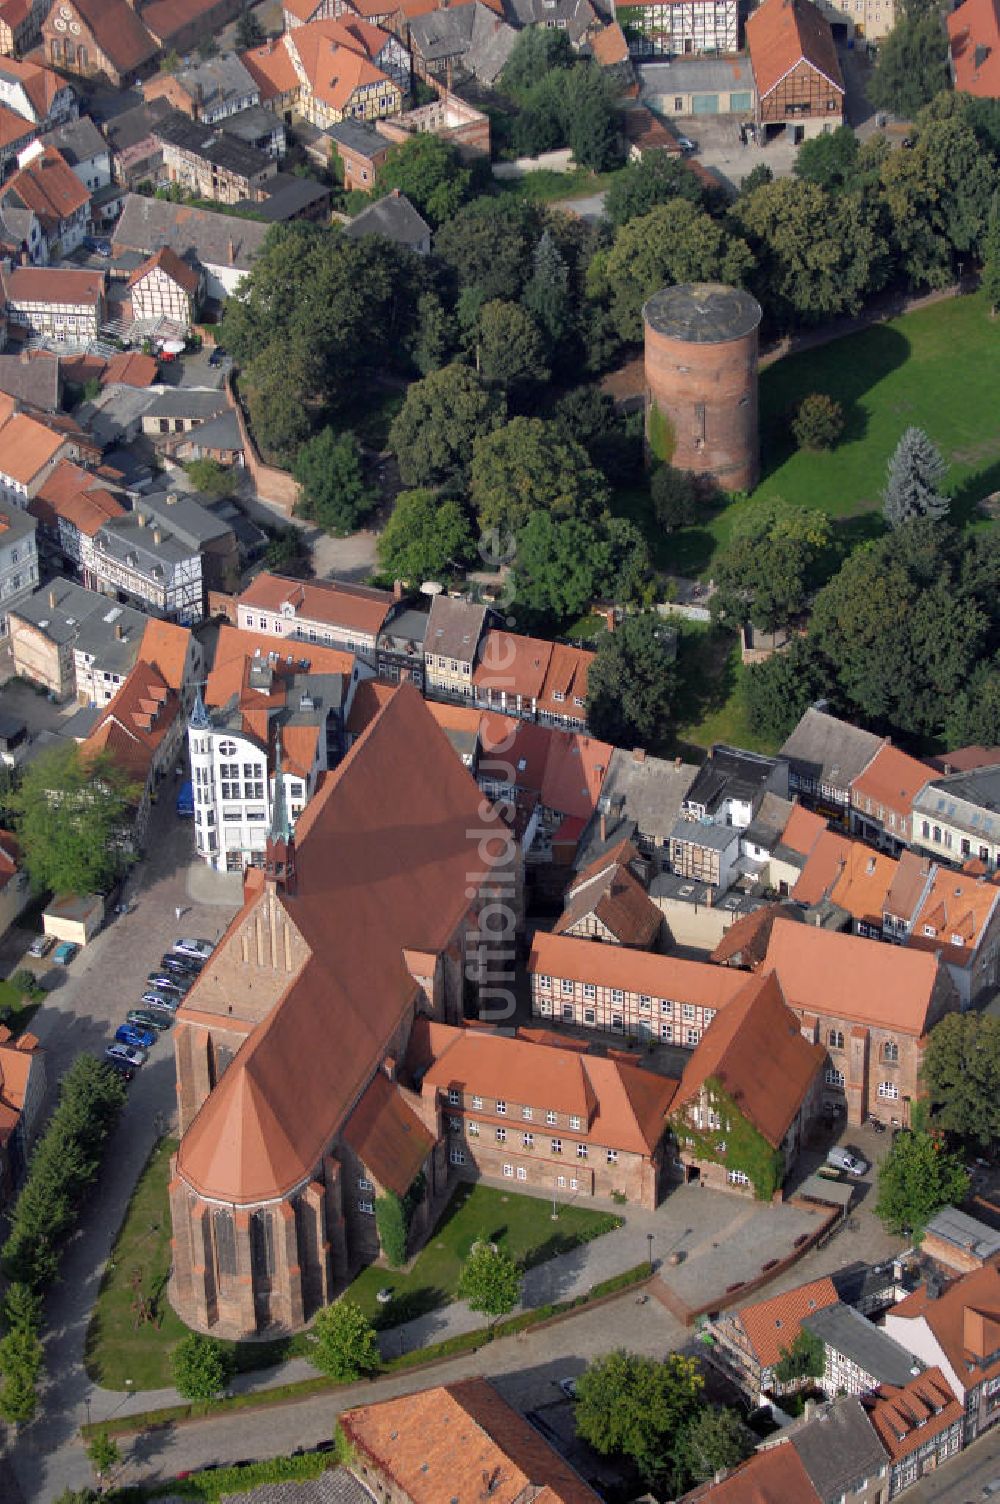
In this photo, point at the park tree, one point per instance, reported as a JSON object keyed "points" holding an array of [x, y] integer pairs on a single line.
{"points": [[629, 580], [961, 1073], [529, 465], [433, 433], [103, 1453], [990, 279], [435, 337], [536, 53], [632, 683], [818, 421], [634, 1407], [547, 295], [429, 171], [655, 179], [586, 414], [590, 119], [540, 123], [831, 161], [489, 244], [73, 815], [764, 573], [20, 1367], [974, 716], [288, 553], [344, 1342], [427, 537], [277, 388], [490, 1280], [815, 254], [780, 690], [559, 567], [510, 354], [912, 64], [913, 480], [916, 1179], [201, 1367], [330, 471], [937, 195], [675, 242], [211, 478], [756, 178], [675, 497], [714, 1439]]}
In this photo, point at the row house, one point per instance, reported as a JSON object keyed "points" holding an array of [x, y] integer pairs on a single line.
{"points": [[69, 508], [15, 134], [18, 561], [141, 729], [641, 801], [211, 164], [47, 185], [870, 1005], [165, 287], [796, 70], [196, 527], [628, 992], [956, 818], [956, 1328], [451, 646], [330, 613], [882, 798], [37, 93], [53, 303], [84, 149], [150, 567], [721, 802], [919, 1424], [29, 452], [265, 720], [72, 641], [858, 1355], [748, 1094], [680, 28], [23, 1092], [330, 70], [845, 884], [825, 757], [608, 901], [959, 921], [361, 150], [538, 1115], [750, 1341], [533, 679], [210, 90], [556, 773], [399, 646]]}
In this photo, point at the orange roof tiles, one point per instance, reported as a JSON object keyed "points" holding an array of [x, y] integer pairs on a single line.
{"points": [[387, 1135], [892, 780], [369, 697], [168, 261], [439, 1445], [514, 664], [74, 494], [848, 977], [165, 646], [755, 1049], [235, 649], [774, 1476], [271, 69], [48, 186], [635, 970], [566, 682], [331, 601], [118, 31], [803, 830], [906, 1417], [565, 768], [26, 447], [957, 910], [51, 284], [781, 33], [864, 883], [14, 127], [609, 46], [747, 939], [16, 1058], [974, 34], [911, 878], [965, 1320], [772, 1325], [40, 84], [824, 864], [130, 368], [610, 891], [383, 860]]}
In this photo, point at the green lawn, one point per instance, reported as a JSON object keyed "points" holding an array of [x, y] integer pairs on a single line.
{"points": [[16, 1009], [119, 1347], [547, 187], [938, 368], [520, 1224], [711, 706]]}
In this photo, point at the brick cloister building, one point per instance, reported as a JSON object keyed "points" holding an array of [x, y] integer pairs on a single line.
{"points": [[292, 1120]]}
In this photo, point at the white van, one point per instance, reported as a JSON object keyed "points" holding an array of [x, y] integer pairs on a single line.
{"points": [[843, 1159]]}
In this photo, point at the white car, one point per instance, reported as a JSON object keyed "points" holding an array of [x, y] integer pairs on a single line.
{"points": [[686, 145], [198, 950], [843, 1159]]}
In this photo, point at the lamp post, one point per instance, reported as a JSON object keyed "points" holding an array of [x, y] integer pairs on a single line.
{"points": [[649, 1243]]}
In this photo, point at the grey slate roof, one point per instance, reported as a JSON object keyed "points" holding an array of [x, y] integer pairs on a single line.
{"points": [[838, 1447], [149, 223], [578, 16], [358, 135], [252, 125], [124, 536], [335, 1487], [394, 217], [222, 432], [211, 144], [77, 140], [133, 126], [186, 402], [965, 1232], [218, 79], [770, 820], [193, 524], [442, 33], [287, 196], [83, 617], [844, 1330], [33, 381], [701, 833], [684, 75], [642, 797], [829, 750], [454, 628]]}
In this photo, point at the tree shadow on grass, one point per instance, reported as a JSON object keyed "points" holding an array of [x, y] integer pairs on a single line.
{"points": [[845, 370], [966, 499], [409, 1305], [706, 679]]}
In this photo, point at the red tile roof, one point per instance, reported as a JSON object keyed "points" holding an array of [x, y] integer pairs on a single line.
{"points": [[387, 1135], [974, 34], [165, 646], [746, 941], [133, 724], [803, 829], [634, 970], [130, 368], [775, 1476], [26, 447], [514, 664], [16, 1058], [118, 31], [168, 261], [609, 890], [271, 69], [14, 127], [565, 768], [75, 494], [906, 1417], [51, 284], [40, 84], [49, 187], [965, 1320], [892, 780], [754, 1048], [958, 910], [781, 33], [773, 1324], [609, 46], [383, 860], [334, 602]]}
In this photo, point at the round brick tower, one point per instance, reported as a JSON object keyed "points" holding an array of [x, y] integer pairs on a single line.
{"points": [[701, 380]]}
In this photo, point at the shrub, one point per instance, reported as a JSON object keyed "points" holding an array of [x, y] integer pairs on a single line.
{"points": [[201, 1367], [390, 1220], [26, 981], [344, 1342], [818, 422]]}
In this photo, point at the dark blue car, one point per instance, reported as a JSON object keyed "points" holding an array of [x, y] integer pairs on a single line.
{"points": [[135, 1036]]}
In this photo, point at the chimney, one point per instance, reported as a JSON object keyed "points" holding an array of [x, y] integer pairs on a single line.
{"points": [[52, 599], [609, 618], [140, 518], [157, 536], [709, 897], [397, 590], [119, 631], [809, 1409], [638, 754], [231, 253], [395, 193], [678, 763]]}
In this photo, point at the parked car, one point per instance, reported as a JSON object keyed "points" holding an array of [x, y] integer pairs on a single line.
{"points": [[686, 145], [184, 964], [41, 946], [146, 1018], [568, 1387], [156, 997], [124, 1055], [64, 952], [167, 981], [217, 356], [136, 1037], [200, 950], [843, 1159]]}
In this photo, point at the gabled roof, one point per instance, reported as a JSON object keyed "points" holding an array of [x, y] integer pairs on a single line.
{"points": [[510, 662], [634, 970], [77, 496], [610, 891], [383, 860], [387, 1135], [837, 1446], [50, 284], [119, 32], [49, 187], [746, 941], [773, 1324], [822, 747], [330, 602], [912, 874], [235, 650], [165, 647], [957, 910], [566, 681], [439, 1445], [846, 976], [774, 1476], [41, 85], [146, 224], [34, 381], [271, 69], [133, 724], [14, 127], [17, 1057], [965, 1319], [755, 1049], [907, 1416], [892, 779], [393, 217], [974, 34], [782, 33], [26, 447], [454, 628], [171, 264]]}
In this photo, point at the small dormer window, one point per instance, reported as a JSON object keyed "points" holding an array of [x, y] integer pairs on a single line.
{"points": [[957, 940], [930, 930]]}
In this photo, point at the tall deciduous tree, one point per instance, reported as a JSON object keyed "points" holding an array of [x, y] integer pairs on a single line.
{"points": [[912, 64], [429, 171], [530, 465], [780, 690], [330, 471], [656, 179], [715, 1439], [974, 717], [632, 1406], [547, 296], [913, 481], [632, 683], [433, 433], [489, 242], [831, 160], [559, 567], [490, 1280], [344, 1342], [916, 1179], [427, 537], [764, 572], [961, 1072], [201, 1367], [937, 195], [73, 816], [510, 354]]}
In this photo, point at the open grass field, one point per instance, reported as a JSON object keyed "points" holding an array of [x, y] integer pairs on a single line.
{"points": [[711, 707], [522, 1225], [937, 368], [548, 187]]}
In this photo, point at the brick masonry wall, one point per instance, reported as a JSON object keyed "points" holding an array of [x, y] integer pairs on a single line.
{"points": [[708, 393]]}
